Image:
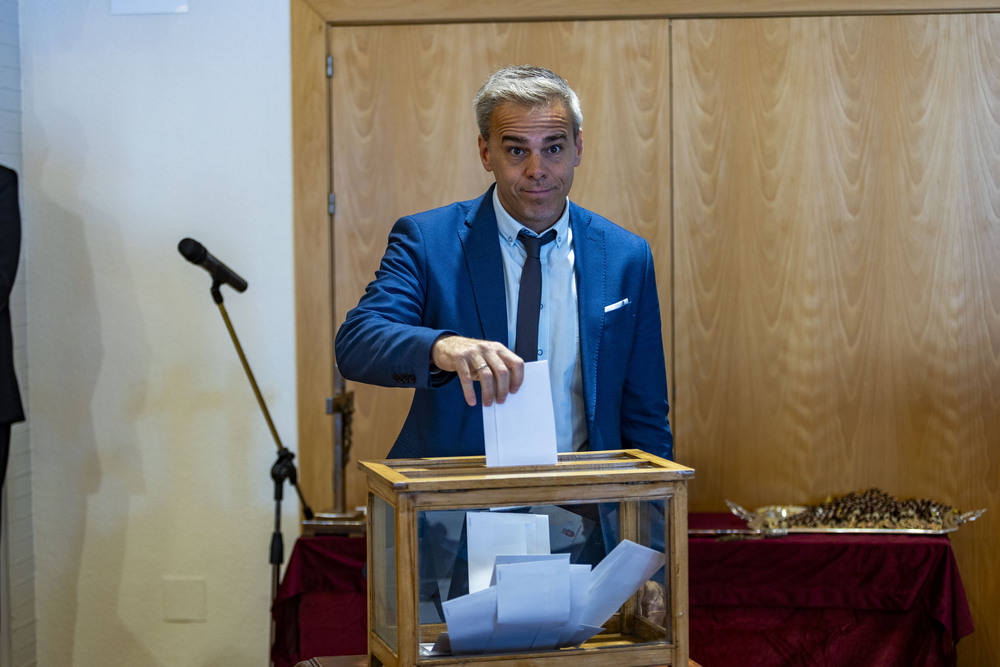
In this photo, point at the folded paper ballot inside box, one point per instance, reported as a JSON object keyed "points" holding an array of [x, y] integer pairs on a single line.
{"points": [[535, 600]]}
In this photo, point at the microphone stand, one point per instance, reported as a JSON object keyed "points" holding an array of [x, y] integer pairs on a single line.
{"points": [[283, 468]]}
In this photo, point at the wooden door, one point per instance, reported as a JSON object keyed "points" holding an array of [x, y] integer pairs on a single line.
{"points": [[404, 140], [837, 233]]}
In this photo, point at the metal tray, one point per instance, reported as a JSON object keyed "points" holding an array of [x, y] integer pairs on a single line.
{"points": [[762, 522]]}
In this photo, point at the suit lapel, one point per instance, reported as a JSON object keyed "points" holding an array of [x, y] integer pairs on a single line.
{"points": [[485, 266], [591, 275]]}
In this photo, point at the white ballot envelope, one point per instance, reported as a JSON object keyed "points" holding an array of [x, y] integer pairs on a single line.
{"points": [[522, 430], [471, 619], [523, 597], [491, 534], [619, 574]]}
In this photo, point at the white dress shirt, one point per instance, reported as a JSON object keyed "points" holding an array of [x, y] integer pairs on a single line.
{"points": [[558, 321]]}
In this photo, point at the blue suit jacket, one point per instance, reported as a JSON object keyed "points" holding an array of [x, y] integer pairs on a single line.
{"points": [[442, 273]]}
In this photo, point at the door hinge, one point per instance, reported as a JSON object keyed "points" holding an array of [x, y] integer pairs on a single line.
{"points": [[329, 67], [332, 204]]}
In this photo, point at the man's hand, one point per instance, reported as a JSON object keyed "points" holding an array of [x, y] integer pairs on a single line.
{"points": [[497, 369]]}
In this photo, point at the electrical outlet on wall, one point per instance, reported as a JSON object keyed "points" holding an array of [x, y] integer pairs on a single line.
{"points": [[184, 599]]}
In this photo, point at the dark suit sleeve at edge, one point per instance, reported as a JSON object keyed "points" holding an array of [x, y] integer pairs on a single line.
{"points": [[10, 230]]}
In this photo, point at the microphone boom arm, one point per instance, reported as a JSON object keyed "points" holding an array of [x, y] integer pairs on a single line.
{"points": [[282, 451]]}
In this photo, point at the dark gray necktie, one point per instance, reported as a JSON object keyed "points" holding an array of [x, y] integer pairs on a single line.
{"points": [[529, 296]]}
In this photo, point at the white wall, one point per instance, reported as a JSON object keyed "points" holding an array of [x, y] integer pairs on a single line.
{"points": [[150, 456]]}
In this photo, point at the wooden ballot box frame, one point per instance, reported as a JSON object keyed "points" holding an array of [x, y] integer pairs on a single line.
{"points": [[400, 489]]}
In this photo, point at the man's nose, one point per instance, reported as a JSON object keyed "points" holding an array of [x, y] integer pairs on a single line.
{"points": [[533, 167]]}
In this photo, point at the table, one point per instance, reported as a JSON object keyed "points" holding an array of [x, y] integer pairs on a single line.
{"points": [[336, 661], [803, 600], [362, 661], [322, 604], [823, 599]]}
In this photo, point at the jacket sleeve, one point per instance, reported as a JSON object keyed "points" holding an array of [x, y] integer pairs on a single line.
{"points": [[383, 340]]}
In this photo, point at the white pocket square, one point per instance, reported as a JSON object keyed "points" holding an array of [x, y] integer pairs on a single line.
{"points": [[615, 306]]}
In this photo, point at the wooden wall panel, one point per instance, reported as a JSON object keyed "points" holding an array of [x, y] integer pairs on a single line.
{"points": [[837, 268], [837, 182], [408, 143]]}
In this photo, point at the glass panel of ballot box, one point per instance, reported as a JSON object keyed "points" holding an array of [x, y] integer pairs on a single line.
{"points": [[584, 561]]}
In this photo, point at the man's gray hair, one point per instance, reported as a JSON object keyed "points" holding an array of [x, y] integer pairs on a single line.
{"points": [[527, 86]]}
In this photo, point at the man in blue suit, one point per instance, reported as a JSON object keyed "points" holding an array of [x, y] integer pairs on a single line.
{"points": [[440, 314]]}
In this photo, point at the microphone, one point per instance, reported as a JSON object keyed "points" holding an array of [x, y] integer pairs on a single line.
{"points": [[195, 253]]}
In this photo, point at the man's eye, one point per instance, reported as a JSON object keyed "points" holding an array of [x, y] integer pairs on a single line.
{"points": [[516, 151], [555, 150]]}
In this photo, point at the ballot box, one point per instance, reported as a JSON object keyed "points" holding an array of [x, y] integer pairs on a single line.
{"points": [[583, 562]]}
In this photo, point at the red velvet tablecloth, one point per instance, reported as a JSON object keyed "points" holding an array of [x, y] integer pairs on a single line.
{"points": [[321, 606], [804, 600], [823, 599]]}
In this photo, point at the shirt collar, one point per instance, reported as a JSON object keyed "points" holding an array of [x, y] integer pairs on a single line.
{"points": [[509, 227]]}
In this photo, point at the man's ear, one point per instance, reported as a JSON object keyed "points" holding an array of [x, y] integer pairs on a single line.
{"points": [[484, 153], [578, 146]]}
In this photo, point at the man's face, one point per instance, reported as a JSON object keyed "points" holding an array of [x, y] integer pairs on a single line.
{"points": [[532, 153]]}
